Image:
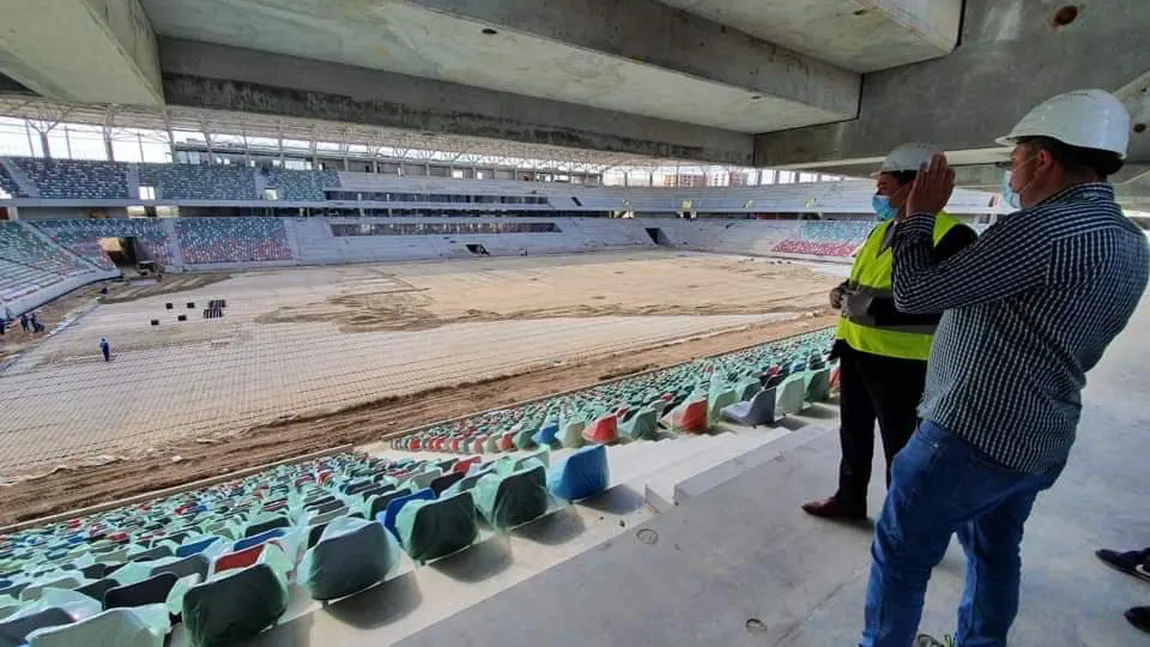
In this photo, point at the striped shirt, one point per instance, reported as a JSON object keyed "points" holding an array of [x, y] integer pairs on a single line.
{"points": [[1029, 309]]}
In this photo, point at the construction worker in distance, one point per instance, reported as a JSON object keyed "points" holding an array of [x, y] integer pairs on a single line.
{"points": [[882, 351]]}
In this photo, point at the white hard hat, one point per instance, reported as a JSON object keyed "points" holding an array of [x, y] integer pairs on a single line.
{"points": [[908, 157], [1085, 118]]}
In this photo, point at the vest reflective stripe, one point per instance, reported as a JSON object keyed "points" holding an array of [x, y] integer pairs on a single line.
{"points": [[871, 274]]}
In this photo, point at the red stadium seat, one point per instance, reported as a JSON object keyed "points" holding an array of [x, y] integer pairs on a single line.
{"points": [[239, 559], [603, 431]]}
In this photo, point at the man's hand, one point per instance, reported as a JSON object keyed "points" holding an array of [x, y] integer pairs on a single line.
{"points": [[837, 297], [932, 187]]}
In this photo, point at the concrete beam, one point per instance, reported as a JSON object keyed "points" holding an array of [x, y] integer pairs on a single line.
{"points": [[859, 36], [1012, 56], [98, 51], [654, 33], [219, 77]]}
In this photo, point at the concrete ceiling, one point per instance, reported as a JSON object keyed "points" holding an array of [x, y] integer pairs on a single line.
{"points": [[857, 35], [410, 39]]}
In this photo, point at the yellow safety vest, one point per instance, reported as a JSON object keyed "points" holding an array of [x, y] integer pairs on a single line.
{"points": [[871, 273]]}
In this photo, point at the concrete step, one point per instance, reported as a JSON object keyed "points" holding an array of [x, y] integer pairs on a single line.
{"points": [[659, 487]]}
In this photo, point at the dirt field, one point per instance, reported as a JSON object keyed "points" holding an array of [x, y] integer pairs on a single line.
{"points": [[308, 359]]}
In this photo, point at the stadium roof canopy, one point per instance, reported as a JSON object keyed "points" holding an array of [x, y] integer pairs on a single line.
{"points": [[45, 114]]}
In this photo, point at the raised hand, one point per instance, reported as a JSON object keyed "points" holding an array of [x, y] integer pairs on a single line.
{"points": [[932, 187]]}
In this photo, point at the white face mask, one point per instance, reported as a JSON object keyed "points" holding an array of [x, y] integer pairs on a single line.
{"points": [[1009, 195]]}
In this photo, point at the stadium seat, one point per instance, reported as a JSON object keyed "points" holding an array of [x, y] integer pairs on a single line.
{"points": [[790, 394], [583, 474], [111, 628], [760, 410], [819, 385], [431, 529], [396, 505], [196, 547], [240, 559], [716, 400], [97, 589], [264, 526], [14, 632], [441, 483], [603, 431], [688, 417], [198, 565], [350, 556], [234, 606], [153, 590], [644, 424], [510, 500]]}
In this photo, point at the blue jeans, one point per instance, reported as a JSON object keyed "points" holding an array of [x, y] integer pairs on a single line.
{"points": [[941, 485]]}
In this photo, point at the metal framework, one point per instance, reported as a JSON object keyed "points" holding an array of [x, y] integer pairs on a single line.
{"points": [[237, 133], [44, 115]]}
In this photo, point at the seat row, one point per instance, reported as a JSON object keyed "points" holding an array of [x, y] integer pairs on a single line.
{"points": [[221, 560], [686, 398]]}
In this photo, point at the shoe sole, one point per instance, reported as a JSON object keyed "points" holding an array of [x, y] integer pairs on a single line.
{"points": [[1135, 572]]}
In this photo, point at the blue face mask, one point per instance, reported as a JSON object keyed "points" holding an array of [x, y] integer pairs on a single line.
{"points": [[1009, 195], [882, 208]]}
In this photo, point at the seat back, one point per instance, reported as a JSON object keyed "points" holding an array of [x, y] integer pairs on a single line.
{"points": [[14, 633], [397, 504], [348, 563], [264, 526], [254, 540], [819, 388], [153, 590], [196, 547], [158, 552], [97, 589], [234, 607], [443, 482], [239, 559], [439, 527], [191, 565], [584, 474]]}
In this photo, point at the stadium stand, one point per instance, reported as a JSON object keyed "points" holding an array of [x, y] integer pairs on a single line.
{"points": [[20, 245], [82, 237], [9, 185], [305, 186], [204, 557], [836, 239], [689, 398], [233, 240], [76, 179], [195, 182]]}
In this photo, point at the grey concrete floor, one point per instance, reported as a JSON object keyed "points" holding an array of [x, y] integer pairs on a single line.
{"points": [[740, 564]]}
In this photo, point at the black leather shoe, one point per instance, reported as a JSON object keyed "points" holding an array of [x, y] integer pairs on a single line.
{"points": [[1139, 617], [832, 508]]}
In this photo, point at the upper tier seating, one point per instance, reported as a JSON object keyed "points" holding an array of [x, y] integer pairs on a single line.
{"points": [[76, 179], [233, 240], [826, 238], [305, 186], [195, 182], [82, 236]]}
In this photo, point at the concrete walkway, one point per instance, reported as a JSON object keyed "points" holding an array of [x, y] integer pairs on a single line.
{"points": [[740, 564]]}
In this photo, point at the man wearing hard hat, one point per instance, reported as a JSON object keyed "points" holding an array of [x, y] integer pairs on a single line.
{"points": [[1029, 309], [882, 351]]}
